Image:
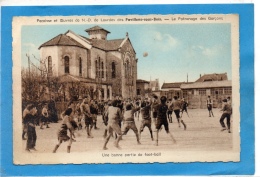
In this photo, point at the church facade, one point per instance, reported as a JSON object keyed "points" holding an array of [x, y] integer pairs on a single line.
{"points": [[109, 67]]}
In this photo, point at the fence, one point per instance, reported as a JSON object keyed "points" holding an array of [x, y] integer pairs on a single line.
{"points": [[199, 101]]}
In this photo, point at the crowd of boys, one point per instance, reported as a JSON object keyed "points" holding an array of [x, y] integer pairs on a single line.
{"points": [[118, 116]]}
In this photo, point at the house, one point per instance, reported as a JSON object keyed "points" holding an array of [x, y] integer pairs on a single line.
{"points": [[142, 88], [172, 89], [198, 91], [215, 85]]}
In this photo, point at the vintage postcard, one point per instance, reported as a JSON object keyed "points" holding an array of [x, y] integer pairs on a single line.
{"points": [[126, 89]]}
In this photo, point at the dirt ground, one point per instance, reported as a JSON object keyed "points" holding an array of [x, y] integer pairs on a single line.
{"points": [[203, 133]]}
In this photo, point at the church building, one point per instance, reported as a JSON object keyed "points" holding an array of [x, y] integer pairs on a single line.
{"points": [[109, 67]]}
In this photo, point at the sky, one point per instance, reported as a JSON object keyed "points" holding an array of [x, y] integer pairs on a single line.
{"points": [[174, 50]]}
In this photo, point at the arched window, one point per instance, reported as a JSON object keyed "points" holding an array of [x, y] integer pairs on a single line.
{"points": [[49, 65], [67, 64], [102, 69], [113, 70], [80, 66]]}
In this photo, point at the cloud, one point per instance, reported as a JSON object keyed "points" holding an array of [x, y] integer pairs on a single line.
{"points": [[206, 51], [29, 45], [163, 41]]}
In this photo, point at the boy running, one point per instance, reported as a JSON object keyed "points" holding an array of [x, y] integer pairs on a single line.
{"points": [[85, 110], [129, 121], [227, 111], [184, 105], [114, 117], [162, 119], [176, 108], [146, 118], [62, 133]]}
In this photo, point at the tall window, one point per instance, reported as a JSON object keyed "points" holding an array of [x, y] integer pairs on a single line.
{"points": [[102, 93], [108, 93], [67, 64], [49, 65], [113, 70], [102, 69], [96, 65], [138, 91], [80, 66], [125, 70]]}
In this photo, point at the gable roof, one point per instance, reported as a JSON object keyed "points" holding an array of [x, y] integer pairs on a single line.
{"points": [[212, 77], [107, 45], [95, 28], [62, 40]]}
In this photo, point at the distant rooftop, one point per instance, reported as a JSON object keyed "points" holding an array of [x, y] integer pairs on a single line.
{"points": [[96, 28], [209, 84], [213, 77], [173, 85]]}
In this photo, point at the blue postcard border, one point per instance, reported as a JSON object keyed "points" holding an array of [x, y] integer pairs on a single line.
{"points": [[246, 28]]}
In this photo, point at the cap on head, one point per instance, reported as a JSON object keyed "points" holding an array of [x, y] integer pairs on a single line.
{"points": [[155, 97], [68, 111], [143, 104], [128, 106], [114, 103], [163, 99]]}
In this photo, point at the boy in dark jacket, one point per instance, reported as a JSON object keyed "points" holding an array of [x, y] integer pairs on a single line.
{"points": [[162, 119], [29, 122]]}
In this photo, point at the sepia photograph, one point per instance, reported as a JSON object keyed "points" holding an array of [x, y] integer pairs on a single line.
{"points": [[126, 89]]}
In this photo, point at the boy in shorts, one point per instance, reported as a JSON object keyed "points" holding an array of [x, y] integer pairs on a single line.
{"points": [[85, 110], [209, 106], [129, 121], [146, 118], [62, 133], [162, 119], [114, 117]]}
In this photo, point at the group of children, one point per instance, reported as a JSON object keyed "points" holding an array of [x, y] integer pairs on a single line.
{"points": [[118, 117]]}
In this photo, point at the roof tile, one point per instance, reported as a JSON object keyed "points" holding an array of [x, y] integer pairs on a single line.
{"points": [[62, 40]]}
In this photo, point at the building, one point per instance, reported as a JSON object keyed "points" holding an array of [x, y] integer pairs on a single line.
{"points": [[215, 85], [142, 88], [108, 68], [172, 89], [154, 85], [212, 77]]}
